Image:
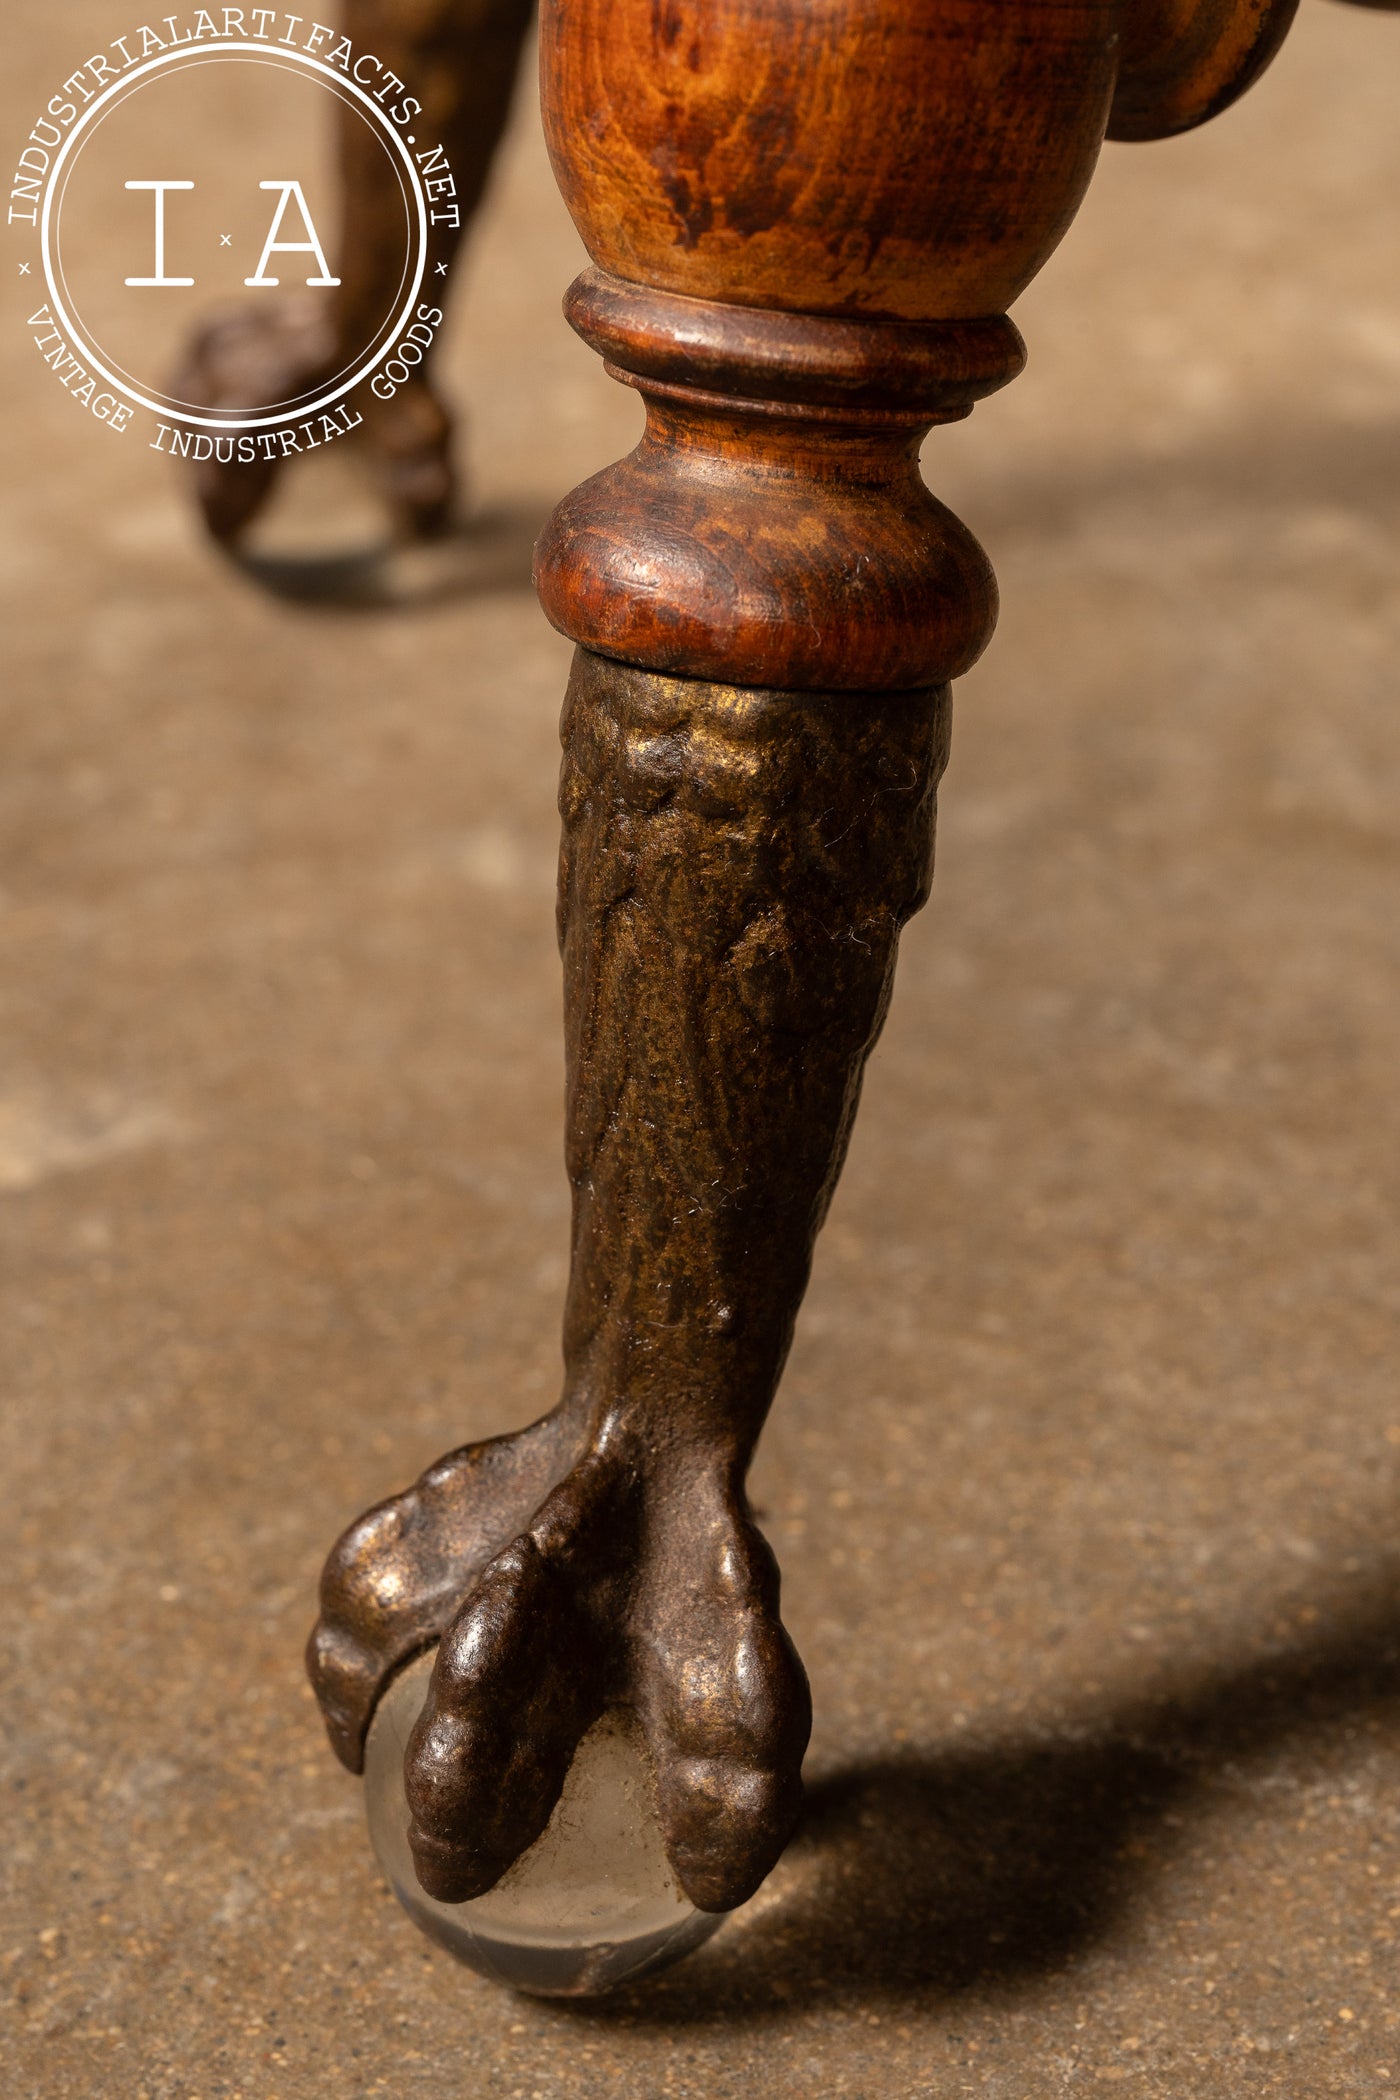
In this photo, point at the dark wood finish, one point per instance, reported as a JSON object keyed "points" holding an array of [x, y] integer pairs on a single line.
{"points": [[773, 526], [940, 366], [777, 546], [806, 225], [1183, 61]]}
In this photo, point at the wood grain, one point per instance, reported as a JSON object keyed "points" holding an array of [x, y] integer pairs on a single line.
{"points": [[911, 159]]}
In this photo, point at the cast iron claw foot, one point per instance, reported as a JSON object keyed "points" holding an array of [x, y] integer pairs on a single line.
{"points": [[279, 354], [562, 1575], [736, 869]]}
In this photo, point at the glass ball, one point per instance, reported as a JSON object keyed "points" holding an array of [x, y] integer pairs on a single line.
{"points": [[592, 1904]]}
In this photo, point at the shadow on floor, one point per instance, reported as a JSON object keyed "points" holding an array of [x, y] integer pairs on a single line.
{"points": [[1257, 464], [489, 553], [918, 1876]]}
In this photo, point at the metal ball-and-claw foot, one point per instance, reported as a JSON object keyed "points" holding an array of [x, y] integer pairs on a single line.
{"points": [[582, 1590]]}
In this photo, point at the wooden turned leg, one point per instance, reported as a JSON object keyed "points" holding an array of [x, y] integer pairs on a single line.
{"points": [[460, 58], [806, 226]]}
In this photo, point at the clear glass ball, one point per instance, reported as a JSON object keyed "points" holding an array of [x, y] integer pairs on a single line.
{"points": [[592, 1904]]}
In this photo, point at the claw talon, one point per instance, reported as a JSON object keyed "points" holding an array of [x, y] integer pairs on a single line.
{"points": [[561, 1621]]}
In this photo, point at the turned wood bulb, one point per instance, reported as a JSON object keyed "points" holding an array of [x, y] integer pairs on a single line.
{"points": [[904, 159]]}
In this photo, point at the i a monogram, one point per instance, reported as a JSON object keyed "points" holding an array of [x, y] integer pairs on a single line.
{"points": [[273, 245]]}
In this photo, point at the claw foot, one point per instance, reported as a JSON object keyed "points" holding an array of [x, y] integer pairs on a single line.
{"points": [[562, 1575]]}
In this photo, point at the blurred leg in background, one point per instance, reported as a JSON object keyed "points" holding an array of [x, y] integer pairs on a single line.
{"points": [[460, 59]]}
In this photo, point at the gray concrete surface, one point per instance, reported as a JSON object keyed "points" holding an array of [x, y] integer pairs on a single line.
{"points": [[1084, 1476]]}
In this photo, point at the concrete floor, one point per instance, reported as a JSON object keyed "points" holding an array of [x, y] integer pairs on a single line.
{"points": [[1084, 1476]]}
